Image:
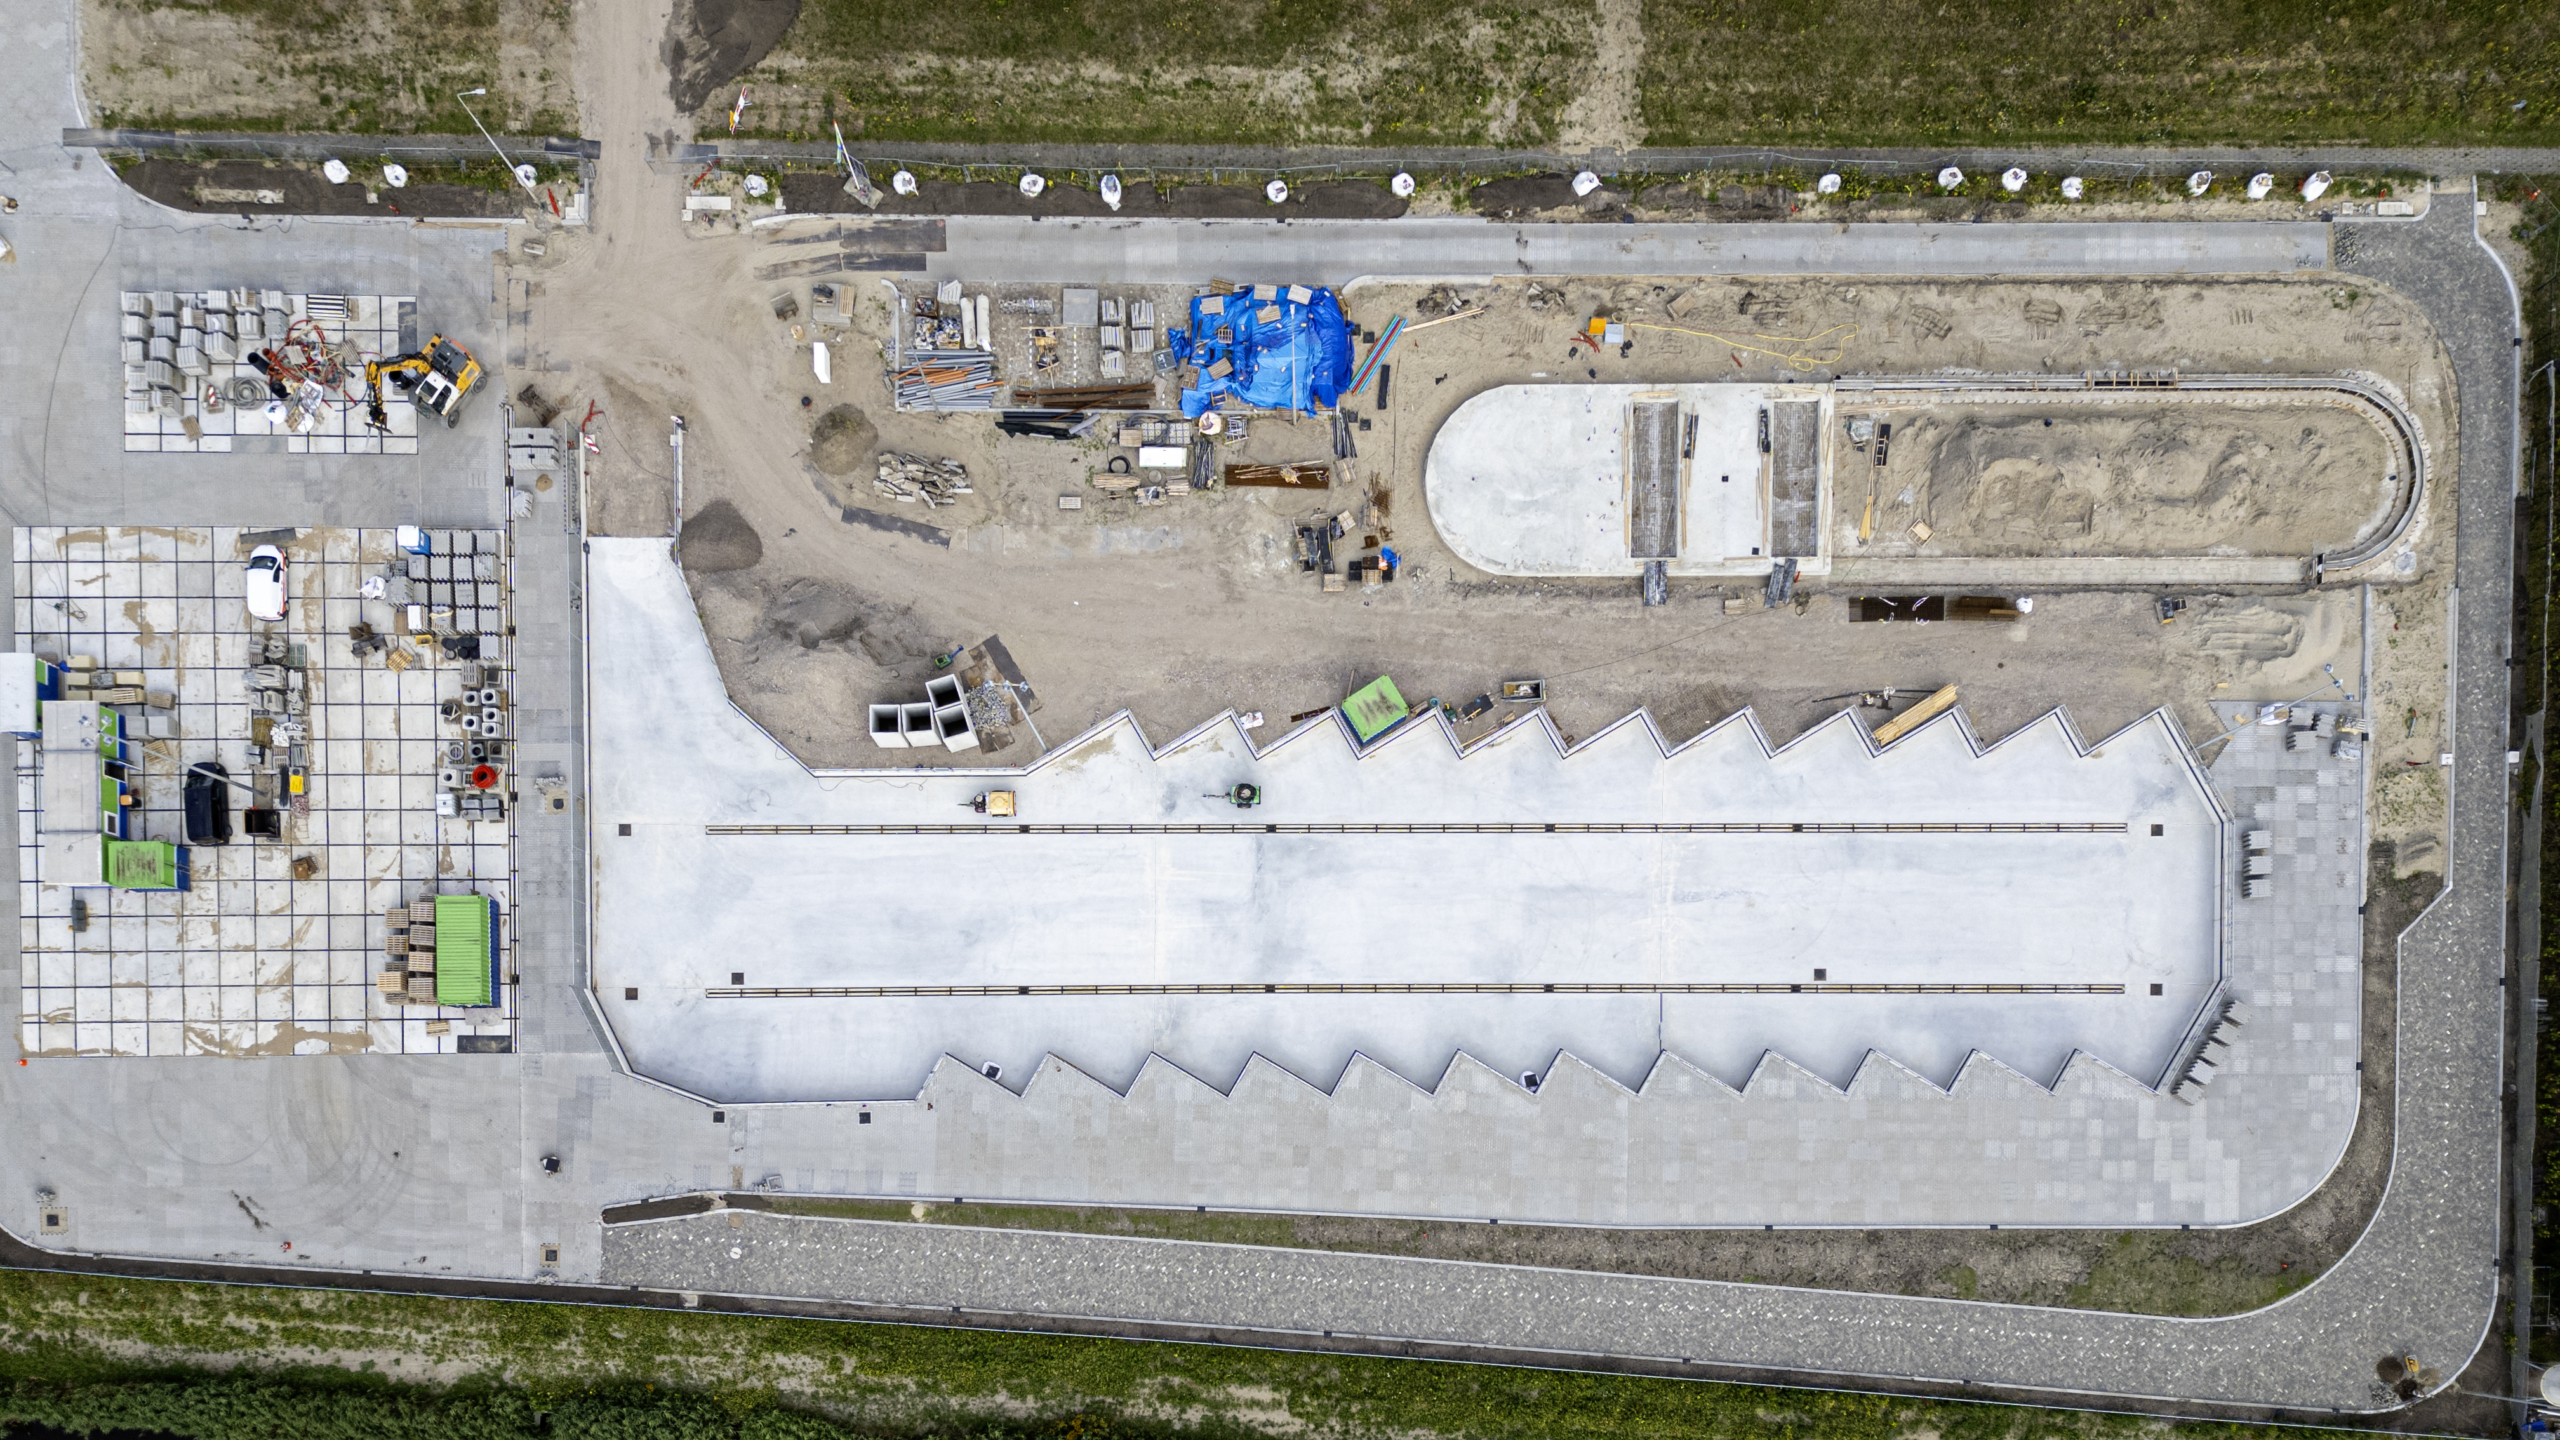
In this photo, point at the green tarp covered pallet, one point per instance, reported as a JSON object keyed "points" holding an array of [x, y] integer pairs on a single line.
{"points": [[466, 950], [1374, 709]]}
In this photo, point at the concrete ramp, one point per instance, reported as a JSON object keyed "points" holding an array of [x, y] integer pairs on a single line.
{"points": [[1653, 479], [1795, 479]]}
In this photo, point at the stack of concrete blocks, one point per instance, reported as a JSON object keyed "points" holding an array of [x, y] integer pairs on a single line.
{"points": [[941, 719], [2214, 1054], [533, 451], [152, 378], [460, 581], [2257, 866]]}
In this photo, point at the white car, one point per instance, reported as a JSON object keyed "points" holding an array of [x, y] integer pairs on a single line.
{"points": [[262, 585]]}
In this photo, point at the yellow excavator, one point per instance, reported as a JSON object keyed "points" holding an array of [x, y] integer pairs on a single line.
{"points": [[439, 378]]}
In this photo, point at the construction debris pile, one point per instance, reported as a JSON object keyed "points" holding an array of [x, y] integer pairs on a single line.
{"points": [[909, 478]]}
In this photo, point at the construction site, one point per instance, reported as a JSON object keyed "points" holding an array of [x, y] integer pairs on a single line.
{"points": [[687, 714]]}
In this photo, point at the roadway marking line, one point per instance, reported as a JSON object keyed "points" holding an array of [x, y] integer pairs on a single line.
{"points": [[1391, 987], [1474, 827]]}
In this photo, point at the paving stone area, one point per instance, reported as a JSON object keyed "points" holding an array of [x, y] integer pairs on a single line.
{"points": [[250, 961]]}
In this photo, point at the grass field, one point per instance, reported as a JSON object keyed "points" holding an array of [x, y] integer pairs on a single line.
{"points": [[1887, 72], [310, 65], [1214, 72], [1706, 72], [387, 1357]]}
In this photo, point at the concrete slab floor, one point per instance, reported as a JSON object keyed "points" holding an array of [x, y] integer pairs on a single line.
{"points": [[2089, 922]]}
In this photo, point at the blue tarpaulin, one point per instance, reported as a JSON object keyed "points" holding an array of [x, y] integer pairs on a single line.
{"points": [[1282, 353]]}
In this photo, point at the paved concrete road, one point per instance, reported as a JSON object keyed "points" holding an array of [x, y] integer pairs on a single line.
{"points": [[1333, 252]]}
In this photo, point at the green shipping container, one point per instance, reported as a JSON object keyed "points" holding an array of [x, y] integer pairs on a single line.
{"points": [[466, 950], [145, 865]]}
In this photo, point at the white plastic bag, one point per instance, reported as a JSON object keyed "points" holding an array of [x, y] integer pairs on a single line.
{"points": [[2073, 187], [1276, 192], [1111, 191], [2316, 186], [1950, 178], [1585, 183], [2260, 184], [1827, 185], [2013, 179], [1401, 186], [2199, 182], [904, 182], [1033, 184]]}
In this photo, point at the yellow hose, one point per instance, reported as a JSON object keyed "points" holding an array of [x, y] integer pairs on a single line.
{"points": [[1800, 355]]}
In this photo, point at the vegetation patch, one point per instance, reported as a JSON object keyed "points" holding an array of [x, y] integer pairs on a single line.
{"points": [[318, 66], [1227, 72], [2220, 72], [233, 1363]]}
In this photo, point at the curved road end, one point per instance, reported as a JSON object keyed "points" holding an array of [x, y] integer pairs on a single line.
{"points": [[2422, 1281]]}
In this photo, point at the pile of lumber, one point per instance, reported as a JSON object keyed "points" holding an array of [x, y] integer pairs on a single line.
{"points": [[909, 478], [1306, 475], [1140, 396]]}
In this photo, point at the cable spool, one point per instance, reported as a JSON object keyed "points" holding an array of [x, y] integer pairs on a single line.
{"points": [[484, 777]]}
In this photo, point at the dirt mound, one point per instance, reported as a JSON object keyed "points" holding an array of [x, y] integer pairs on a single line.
{"points": [[816, 615], [842, 441], [712, 42], [718, 538]]}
